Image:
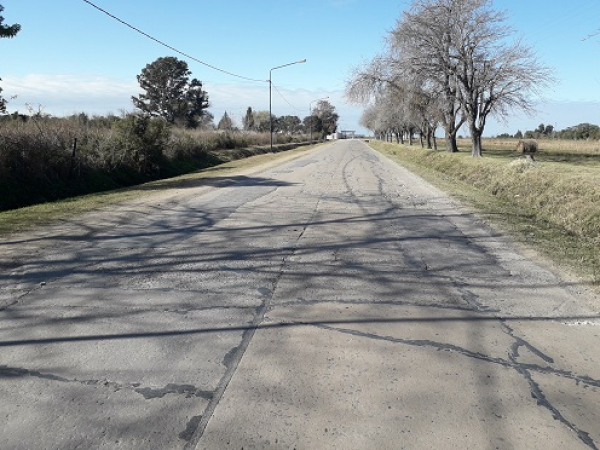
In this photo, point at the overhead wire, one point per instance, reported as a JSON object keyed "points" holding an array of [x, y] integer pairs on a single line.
{"points": [[281, 95], [551, 28], [164, 44], [591, 36]]}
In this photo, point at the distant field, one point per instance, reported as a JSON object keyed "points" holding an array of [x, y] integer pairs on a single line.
{"points": [[550, 150], [552, 204]]}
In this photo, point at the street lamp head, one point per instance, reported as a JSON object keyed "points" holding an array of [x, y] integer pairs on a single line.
{"points": [[289, 64], [270, 86]]}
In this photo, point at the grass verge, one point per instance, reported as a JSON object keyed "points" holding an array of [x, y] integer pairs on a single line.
{"points": [[31, 217], [551, 206]]}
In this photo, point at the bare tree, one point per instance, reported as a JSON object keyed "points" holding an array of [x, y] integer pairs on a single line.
{"points": [[370, 120], [422, 41], [482, 68], [392, 114], [409, 68], [494, 77], [455, 61]]}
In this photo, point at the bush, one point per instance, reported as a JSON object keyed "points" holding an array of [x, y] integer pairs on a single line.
{"points": [[138, 143], [44, 158]]}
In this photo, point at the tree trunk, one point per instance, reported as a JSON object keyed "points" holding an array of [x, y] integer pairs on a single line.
{"points": [[435, 147], [410, 138], [451, 142], [476, 139]]}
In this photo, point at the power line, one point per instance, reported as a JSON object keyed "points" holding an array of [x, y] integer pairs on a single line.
{"points": [[169, 46], [590, 36], [281, 95]]}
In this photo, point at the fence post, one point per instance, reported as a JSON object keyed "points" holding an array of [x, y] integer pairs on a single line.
{"points": [[72, 166]]}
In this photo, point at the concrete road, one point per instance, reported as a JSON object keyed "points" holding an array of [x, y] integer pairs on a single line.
{"points": [[333, 301]]}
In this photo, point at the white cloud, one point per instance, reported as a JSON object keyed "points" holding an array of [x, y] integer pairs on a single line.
{"points": [[68, 93], [64, 94]]}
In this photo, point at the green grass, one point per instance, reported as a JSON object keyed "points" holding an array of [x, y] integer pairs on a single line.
{"points": [[552, 205]]}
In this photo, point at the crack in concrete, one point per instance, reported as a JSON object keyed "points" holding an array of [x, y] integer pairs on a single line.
{"points": [[523, 369], [196, 428], [305, 302], [419, 343], [148, 393], [190, 428], [17, 372], [180, 389], [536, 391], [547, 370]]}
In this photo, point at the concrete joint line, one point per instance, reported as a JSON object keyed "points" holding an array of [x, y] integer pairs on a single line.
{"points": [[238, 354]]}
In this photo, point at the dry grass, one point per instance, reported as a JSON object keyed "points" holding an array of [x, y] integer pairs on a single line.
{"points": [[552, 204], [549, 150]]}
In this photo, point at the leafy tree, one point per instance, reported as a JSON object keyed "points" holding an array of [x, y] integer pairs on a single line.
{"points": [[225, 123], [6, 31], [325, 111], [519, 134], [261, 121], [248, 121], [312, 124], [170, 93], [290, 124], [206, 121]]}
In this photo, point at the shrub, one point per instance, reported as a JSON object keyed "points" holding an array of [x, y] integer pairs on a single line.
{"points": [[44, 158], [138, 143]]}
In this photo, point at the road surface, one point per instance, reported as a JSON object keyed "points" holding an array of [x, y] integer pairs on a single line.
{"points": [[332, 301]]}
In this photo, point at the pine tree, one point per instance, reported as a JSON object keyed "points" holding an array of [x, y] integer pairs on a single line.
{"points": [[225, 123], [6, 31], [170, 93], [249, 120]]}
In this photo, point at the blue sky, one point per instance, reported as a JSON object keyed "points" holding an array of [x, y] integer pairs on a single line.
{"points": [[70, 57]]}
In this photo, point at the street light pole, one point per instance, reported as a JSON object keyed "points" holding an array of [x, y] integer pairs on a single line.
{"points": [[270, 96], [310, 114]]}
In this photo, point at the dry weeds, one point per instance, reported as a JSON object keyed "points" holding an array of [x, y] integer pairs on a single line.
{"points": [[552, 204]]}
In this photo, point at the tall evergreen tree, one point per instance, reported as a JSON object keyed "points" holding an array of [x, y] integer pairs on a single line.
{"points": [[225, 123], [8, 31], [249, 120], [170, 93]]}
